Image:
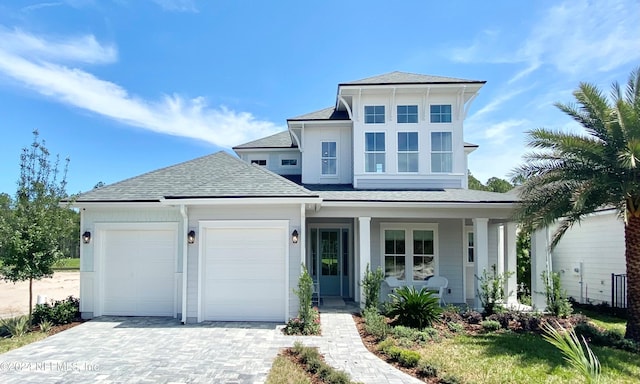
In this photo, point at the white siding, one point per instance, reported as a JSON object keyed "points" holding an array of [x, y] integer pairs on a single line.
{"points": [[313, 136], [597, 242], [274, 159]]}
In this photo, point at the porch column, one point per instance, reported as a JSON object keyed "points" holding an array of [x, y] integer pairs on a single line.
{"points": [[303, 235], [481, 232], [510, 263], [364, 234], [540, 261]]}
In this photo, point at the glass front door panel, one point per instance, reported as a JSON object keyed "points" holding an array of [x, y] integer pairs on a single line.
{"points": [[330, 262]]}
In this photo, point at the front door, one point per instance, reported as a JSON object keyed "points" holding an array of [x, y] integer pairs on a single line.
{"points": [[330, 265]]}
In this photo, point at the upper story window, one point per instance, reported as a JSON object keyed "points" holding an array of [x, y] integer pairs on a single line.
{"points": [[407, 114], [441, 113], [260, 162], [374, 152], [289, 162], [329, 158], [374, 114], [441, 152], [407, 151]]}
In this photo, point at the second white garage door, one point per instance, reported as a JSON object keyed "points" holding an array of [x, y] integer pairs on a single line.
{"points": [[243, 270]]}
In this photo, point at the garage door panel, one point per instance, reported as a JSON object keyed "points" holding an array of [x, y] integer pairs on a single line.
{"points": [[244, 273], [138, 274]]}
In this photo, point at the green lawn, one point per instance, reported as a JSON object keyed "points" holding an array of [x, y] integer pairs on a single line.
{"points": [[9, 343], [608, 322], [67, 264], [284, 371]]}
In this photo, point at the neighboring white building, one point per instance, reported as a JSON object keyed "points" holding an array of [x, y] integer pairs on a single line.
{"points": [[588, 254], [379, 179]]}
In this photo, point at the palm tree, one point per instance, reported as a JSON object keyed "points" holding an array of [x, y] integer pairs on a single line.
{"points": [[568, 176]]}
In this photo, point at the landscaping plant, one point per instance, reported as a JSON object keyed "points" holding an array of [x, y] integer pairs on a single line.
{"points": [[371, 284], [491, 290], [557, 302], [308, 320], [58, 312], [579, 356], [15, 326], [414, 308]]}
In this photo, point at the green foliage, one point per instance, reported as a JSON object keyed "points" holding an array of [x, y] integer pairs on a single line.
{"points": [[32, 229], [494, 184], [308, 320], [450, 379], [414, 308], [408, 358], [59, 312], [371, 284], [426, 369], [385, 345], [455, 327], [311, 359], [45, 326], [414, 336], [16, 326], [490, 325], [375, 323], [557, 302], [523, 268], [579, 356], [607, 338], [491, 290]]}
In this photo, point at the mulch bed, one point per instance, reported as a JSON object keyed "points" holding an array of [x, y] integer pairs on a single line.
{"points": [[59, 328]]}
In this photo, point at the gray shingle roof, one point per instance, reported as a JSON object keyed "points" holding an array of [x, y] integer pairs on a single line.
{"points": [[213, 176], [323, 114], [439, 196], [279, 140], [409, 78]]}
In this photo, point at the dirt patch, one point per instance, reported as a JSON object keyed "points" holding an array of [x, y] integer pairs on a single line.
{"points": [[14, 298]]}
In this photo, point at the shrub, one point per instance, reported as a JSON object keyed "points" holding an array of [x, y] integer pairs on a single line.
{"points": [[375, 324], [16, 326], [371, 284], [425, 369], [45, 326], [491, 291], [579, 356], [338, 377], [557, 302], [308, 320], [408, 336], [408, 358], [455, 327], [58, 312], [414, 308], [490, 325], [606, 338], [450, 379], [472, 317], [384, 345]]}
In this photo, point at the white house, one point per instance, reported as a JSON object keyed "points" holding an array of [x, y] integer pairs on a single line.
{"points": [[378, 178], [588, 254]]}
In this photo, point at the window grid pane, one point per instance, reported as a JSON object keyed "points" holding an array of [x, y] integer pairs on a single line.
{"points": [[441, 152], [394, 249], [329, 160], [407, 114], [374, 114], [440, 113], [407, 151], [375, 152]]}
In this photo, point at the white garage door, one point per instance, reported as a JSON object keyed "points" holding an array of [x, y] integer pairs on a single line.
{"points": [[244, 273], [138, 275]]}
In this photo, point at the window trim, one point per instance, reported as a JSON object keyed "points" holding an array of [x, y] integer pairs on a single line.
{"points": [[399, 152], [431, 114], [375, 152], [432, 152], [469, 230], [257, 162], [408, 229], [384, 114], [417, 114], [283, 159], [322, 158]]}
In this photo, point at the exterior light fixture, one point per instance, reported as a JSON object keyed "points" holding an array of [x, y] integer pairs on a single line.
{"points": [[86, 237], [191, 237], [294, 236]]}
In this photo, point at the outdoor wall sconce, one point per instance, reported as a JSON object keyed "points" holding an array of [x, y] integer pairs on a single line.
{"points": [[294, 236], [191, 237], [86, 237]]}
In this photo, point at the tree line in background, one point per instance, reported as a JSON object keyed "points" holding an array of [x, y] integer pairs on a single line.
{"points": [[35, 230]]}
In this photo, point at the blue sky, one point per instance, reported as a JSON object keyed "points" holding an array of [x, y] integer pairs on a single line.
{"points": [[123, 87]]}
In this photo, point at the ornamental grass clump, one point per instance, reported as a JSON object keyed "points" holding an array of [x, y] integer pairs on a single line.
{"points": [[414, 308]]}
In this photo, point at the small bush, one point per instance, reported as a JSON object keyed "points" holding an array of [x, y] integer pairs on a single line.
{"points": [[557, 302], [491, 291], [393, 352], [490, 325], [308, 320], [450, 379], [16, 326], [425, 369], [338, 377], [371, 284], [384, 346], [375, 324], [298, 347], [58, 312], [455, 327], [605, 338], [408, 358], [472, 317], [45, 326], [414, 308], [314, 364]]}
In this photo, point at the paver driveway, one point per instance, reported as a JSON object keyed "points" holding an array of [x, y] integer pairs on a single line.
{"points": [[161, 350]]}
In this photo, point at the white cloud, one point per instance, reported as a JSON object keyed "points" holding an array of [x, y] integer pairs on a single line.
{"points": [[177, 5], [497, 102], [35, 7], [35, 65]]}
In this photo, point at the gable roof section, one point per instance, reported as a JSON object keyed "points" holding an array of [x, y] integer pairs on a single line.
{"points": [[409, 78], [219, 175], [324, 114], [278, 140]]}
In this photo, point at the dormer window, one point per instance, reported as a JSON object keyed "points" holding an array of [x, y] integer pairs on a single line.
{"points": [[374, 114], [407, 114], [441, 113]]}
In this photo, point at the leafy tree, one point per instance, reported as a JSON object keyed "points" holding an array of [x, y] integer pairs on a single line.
{"points": [[568, 175], [495, 184], [31, 231], [475, 183]]}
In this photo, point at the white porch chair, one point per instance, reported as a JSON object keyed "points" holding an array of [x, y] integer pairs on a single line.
{"points": [[438, 284], [393, 283]]}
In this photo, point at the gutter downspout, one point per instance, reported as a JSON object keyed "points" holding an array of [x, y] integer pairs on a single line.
{"points": [[185, 251]]}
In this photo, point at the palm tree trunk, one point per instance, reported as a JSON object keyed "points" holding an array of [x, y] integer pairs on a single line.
{"points": [[632, 254]]}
